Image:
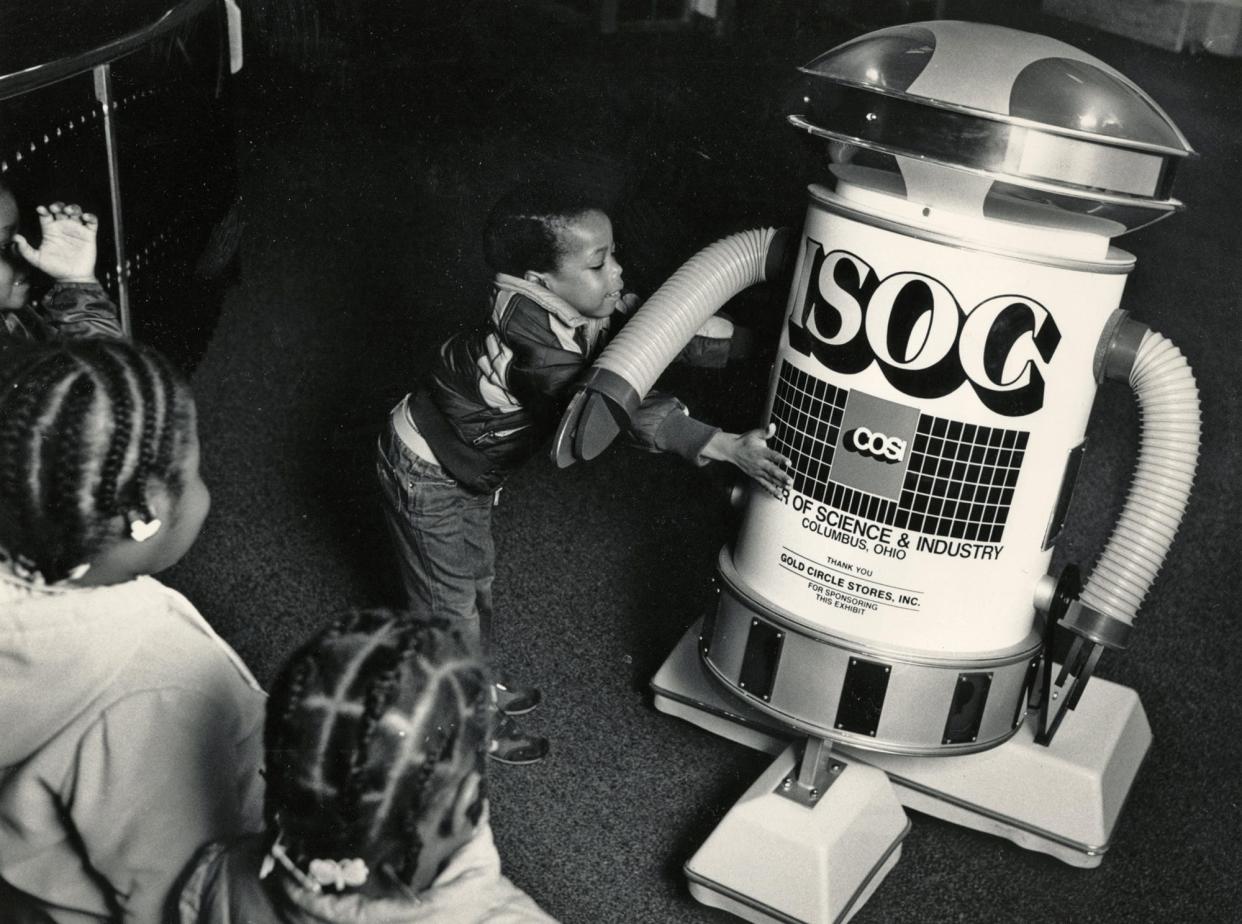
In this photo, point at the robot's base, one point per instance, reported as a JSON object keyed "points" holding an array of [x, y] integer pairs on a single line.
{"points": [[775, 859], [1063, 800]]}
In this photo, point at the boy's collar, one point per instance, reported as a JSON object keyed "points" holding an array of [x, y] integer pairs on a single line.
{"points": [[548, 301]]}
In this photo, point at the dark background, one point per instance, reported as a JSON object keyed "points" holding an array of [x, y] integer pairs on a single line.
{"points": [[372, 139]]}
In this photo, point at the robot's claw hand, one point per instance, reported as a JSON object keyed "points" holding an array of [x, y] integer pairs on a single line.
{"points": [[1054, 700], [1079, 665]]}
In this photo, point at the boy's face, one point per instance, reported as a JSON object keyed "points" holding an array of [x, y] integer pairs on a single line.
{"points": [[589, 276], [14, 275]]}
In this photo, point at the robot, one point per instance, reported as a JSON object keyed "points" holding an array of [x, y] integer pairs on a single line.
{"points": [[886, 629]]}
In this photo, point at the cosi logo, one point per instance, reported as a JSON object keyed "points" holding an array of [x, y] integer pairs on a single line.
{"points": [[869, 443], [912, 326]]}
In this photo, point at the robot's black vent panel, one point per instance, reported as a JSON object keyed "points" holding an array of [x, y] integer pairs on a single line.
{"points": [[1072, 464], [760, 660], [970, 695], [862, 696]]}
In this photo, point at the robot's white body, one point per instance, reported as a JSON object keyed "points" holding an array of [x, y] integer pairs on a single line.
{"points": [[954, 304], [887, 603]]}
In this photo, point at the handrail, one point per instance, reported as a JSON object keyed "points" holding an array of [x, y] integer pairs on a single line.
{"points": [[44, 74]]}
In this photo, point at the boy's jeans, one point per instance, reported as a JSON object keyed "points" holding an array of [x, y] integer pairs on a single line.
{"points": [[443, 538]]}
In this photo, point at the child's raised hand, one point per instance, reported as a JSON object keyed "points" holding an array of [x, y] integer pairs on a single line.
{"points": [[67, 253], [749, 452]]}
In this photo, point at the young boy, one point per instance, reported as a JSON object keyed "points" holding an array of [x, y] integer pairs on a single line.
{"points": [[494, 396], [76, 305]]}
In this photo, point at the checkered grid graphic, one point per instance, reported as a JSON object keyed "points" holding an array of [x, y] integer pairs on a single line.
{"points": [[960, 478]]}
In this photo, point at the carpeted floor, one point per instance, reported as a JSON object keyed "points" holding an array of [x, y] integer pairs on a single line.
{"points": [[365, 182]]}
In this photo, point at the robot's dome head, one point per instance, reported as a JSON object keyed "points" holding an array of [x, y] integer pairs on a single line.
{"points": [[1037, 119]]}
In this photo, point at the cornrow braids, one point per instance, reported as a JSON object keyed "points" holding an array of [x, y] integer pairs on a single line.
{"points": [[524, 229], [284, 705], [164, 459], [63, 458], [121, 399], [23, 399], [86, 428], [153, 428], [368, 723]]}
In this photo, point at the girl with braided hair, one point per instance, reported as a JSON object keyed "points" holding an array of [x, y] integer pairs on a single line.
{"points": [[132, 734], [377, 733]]}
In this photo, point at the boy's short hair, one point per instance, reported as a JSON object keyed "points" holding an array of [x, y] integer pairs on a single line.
{"points": [[367, 723], [523, 230]]}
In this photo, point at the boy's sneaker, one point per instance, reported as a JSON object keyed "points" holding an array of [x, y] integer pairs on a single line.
{"points": [[512, 746], [514, 700]]}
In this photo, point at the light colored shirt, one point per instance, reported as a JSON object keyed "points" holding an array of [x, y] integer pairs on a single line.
{"points": [[132, 735]]}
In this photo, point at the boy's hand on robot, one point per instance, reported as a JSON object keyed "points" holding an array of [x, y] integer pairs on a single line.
{"points": [[750, 453], [67, 252]]}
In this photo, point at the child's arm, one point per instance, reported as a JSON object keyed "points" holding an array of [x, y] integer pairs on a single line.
{"points": [[77, 305], [75, 311], [542, 378], [663, 424]]}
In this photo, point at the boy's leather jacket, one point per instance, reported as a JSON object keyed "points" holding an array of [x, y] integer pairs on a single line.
{"points": [[69, 310], [494, 395]]}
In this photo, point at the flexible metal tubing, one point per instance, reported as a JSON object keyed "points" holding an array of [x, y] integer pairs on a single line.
{"points": [[666, 322], [1168, 453]]}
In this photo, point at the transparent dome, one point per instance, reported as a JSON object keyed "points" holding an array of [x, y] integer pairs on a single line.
{"points": [[1021, 109], [888, 60], [1003, 74], [1083, 97]]}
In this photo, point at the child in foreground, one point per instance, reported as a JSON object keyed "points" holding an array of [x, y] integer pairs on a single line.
{"points": [[75, 305], [376, 737], [132, 734], [494, 396]]}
